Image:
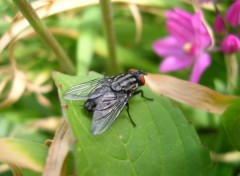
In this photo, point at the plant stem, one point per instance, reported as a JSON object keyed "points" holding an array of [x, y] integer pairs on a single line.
{"points": [[232, 72], [40, 28], [107, 14]]}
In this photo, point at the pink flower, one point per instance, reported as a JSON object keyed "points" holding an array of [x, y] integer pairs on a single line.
{"points": [[219, 25], [186, 44], [230, 44], [233, 14]]}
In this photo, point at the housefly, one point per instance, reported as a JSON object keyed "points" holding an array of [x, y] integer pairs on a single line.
{"points": [[106, 97]]}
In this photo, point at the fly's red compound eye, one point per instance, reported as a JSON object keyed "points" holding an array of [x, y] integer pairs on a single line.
{"points": [[131, 70], [142, 79]]}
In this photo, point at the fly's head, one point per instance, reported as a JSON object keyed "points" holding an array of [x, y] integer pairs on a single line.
{"points": [[139, 75]]}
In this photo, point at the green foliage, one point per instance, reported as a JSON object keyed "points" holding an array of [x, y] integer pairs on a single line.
{"points": [[231, 121]]}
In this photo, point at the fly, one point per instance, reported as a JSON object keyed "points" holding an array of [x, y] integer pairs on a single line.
{"points": [[106, 97]]}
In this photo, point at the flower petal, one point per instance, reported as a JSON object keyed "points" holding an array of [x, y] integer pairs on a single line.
{"points": [[172, 63], [201, 35], [167, 46], [233, 14], [179, 28], [199, 67]]}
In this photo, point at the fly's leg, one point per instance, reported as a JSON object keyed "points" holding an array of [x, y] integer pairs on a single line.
{"points": [[142, 95], [130, 116]]}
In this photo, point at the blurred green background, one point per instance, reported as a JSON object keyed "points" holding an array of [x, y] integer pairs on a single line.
{"points": [[35, 114]]}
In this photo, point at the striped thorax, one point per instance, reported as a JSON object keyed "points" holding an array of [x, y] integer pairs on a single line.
{"points": [[128, 82]]}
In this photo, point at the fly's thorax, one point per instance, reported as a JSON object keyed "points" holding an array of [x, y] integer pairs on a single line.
{"points": [[125, 82]]}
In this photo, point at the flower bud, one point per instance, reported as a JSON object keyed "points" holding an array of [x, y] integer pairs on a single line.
{"points": [[230, 44], [219, 25]]}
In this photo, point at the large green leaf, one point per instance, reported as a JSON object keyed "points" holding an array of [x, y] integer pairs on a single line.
{"points": [[162, 143], [22, 153], [231, 121]]}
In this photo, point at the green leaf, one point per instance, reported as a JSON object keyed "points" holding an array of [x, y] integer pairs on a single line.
{"points": [[231, 121], [162, 143], [23, 153]]}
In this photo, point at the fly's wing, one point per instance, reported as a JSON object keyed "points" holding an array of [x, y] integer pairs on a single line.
{"points": [[107, 110], [88, 89]]}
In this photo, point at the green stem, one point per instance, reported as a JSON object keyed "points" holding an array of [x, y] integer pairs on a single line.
{"points": [[40, 28], [107, 15], [232, 72]]}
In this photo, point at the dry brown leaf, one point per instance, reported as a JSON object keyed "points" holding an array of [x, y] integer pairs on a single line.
{"points": [[229, 157], [41, 78], [4, 82], [138, 21], [43, 100], [4, 168], [38, 89], [17, 89], [55, 7], [49, 123], [6, 69], [15, 169], [192, 94], [58, 150]]}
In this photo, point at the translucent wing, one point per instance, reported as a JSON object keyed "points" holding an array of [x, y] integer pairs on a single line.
{"points": [[90, 89], [107, 110]]}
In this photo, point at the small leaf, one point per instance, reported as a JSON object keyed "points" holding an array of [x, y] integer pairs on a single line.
{"points": [[231, 121], [162, 143], [23, 153], [192, 94]]}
